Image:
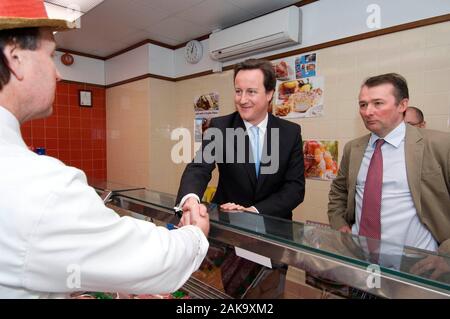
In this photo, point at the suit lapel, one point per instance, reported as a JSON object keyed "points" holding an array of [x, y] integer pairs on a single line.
{"points": [[356, 157], [413, 156], [249, 167]]}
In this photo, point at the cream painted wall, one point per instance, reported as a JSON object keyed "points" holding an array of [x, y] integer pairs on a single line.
{"points": [[421, 55], [127, 133]]}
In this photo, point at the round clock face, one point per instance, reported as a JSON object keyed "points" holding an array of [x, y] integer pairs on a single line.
{"points": [[193, 51]]}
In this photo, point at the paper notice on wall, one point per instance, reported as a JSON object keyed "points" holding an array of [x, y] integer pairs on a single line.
{"points": [[206, 105], [249, 255]]}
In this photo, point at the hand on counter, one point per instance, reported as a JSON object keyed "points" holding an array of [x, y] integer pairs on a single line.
{"points": [[232, 207], [437, 264]]}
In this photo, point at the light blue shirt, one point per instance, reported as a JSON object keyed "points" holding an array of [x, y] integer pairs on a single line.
{"points": [[262, 127], [399, 221]]}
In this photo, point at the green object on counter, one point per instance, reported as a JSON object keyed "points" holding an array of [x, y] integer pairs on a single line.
{"points": [[178, 294], [101, 295]]}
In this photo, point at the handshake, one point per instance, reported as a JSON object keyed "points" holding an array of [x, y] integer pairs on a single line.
{"points": [[195, 214]]}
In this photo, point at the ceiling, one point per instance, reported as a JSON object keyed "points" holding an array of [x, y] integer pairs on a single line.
{"points": [[115, 25]]}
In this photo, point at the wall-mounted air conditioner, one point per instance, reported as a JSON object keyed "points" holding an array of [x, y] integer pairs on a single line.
{"points": [[274, 30]]}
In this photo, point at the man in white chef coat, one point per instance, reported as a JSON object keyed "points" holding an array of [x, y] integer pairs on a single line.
{"points": [[57, 236]]}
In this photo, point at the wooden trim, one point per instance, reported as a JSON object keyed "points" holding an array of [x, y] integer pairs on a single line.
{"points": [[83, 83], [358, 37], [203, 37], [81, 54], [137, 45], [195, 75], [363, 36], [141, 77], [304, 3]]}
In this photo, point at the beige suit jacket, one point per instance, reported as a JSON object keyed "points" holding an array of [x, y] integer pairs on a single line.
{"points": [[427, 154]]}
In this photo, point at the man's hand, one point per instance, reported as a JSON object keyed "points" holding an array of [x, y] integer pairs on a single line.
{"points": [[436, 264], [345, 229], [195, 214], [232, 207]]}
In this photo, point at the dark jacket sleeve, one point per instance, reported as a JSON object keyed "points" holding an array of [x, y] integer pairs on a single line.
{"points": [[197, 174], [291, 194]]}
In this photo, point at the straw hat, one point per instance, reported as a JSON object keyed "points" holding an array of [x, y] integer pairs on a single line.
{"points": [[16, 14]]}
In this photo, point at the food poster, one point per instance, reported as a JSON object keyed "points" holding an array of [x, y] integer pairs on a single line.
{"points": [[320, 159], [200, 126], [299, 98], [284, 69], [305, 66], [206, 105]]}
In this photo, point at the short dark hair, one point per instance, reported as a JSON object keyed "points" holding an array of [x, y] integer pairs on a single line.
{"points": [[398, 82], [257, 64], [25, 38], [418, 112]]}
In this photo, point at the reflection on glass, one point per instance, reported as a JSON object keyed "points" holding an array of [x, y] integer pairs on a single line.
{"points": [[409, 263]]}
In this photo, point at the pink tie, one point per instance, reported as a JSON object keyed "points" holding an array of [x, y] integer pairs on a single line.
{"points": [[370, 225]]}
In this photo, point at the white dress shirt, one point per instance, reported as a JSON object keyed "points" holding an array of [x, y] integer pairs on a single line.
{"points": [[54, 226], [399, 221], [262, 126]]}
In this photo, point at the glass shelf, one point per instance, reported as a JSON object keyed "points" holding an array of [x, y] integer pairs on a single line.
{"points": [[396, 261]]}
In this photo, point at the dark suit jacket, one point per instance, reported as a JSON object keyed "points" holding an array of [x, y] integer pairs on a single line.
{"points": [[275, 194], [427, 155]]}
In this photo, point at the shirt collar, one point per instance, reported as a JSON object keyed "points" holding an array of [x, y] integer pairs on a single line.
{"points": [[262, 125], [395, 137], [9, 120]]}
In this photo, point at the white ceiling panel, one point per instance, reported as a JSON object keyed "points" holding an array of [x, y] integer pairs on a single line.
{"points": [[214, 14], [115, 25], [177, 28], [171, 6]]}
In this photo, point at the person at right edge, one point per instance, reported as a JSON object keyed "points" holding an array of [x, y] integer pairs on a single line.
{"points": [[394, 183]]}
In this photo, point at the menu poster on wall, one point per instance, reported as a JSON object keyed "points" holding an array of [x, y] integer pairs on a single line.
{"points": [[305, 66], [299, 98], [200, 126], [206, 105], [320, 159], [284, 69]]}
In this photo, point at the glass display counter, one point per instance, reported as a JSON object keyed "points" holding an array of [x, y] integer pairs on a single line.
{"points": [[379, 268]]}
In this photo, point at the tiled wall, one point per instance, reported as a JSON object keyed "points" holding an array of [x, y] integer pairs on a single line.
{"points": [[75, 135]]}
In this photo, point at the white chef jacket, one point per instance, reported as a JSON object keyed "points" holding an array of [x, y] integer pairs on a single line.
{"points": [[57, 236]]}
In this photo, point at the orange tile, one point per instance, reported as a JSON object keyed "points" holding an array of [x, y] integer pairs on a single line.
{"points": [[51, 143], [63, 122], [52, 152], [74, 111], [51, 132], [38, 132], [62, 88], [62, 100], [64, 144], [86, 134], [62, 111], [86, 123], [63, 133], [51, 121], [75, 144], [26, 131]]}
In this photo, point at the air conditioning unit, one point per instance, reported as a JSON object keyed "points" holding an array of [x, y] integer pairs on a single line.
{"points": [[274, 30]]}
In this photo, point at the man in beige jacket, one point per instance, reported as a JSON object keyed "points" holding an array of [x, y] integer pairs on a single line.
{"points": [[415, 205]]}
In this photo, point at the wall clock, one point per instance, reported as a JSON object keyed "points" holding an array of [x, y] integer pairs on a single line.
{"points": [[193, 51]]}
